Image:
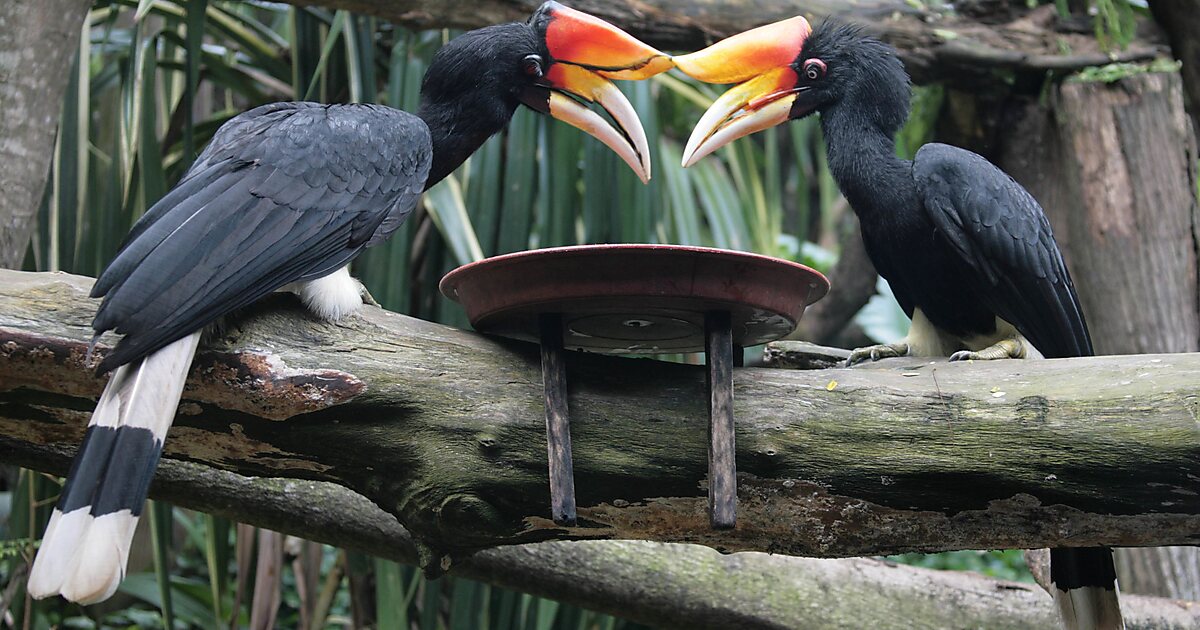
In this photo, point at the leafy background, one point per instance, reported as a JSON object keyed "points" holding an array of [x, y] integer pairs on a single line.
{"points": [[154, 79]]}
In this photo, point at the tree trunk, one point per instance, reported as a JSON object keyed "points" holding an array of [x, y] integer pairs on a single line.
{"points": [[1113, 163], [443, 428], [38, 40], [1181, 21]]}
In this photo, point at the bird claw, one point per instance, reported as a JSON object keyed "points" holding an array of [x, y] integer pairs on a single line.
{"points": [[367, 298], [1003, 349], [877, 352]]}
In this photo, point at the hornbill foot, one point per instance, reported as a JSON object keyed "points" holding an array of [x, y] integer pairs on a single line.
{"points": [[367, 298], [875, 353], [1003, 349]]}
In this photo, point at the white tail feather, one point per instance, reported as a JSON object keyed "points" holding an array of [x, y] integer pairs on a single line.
{"points": [[48, 572], [99, 566], [1089, 608], [83, 556]]}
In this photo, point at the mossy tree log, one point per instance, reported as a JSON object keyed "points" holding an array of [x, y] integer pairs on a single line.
{"points": [[662, 584], [443, 429]]}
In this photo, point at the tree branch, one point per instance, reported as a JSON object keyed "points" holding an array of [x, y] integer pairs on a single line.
{"points": [[443, 429], [935, 43], [665, 585]]}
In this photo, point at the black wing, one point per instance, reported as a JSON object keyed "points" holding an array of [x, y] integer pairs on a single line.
{"points": [[1001, 233], [284, 192]]}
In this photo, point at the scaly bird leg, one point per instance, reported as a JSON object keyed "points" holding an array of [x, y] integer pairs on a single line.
{"points": [[1004, 349], [875, 353], [367, 298]]}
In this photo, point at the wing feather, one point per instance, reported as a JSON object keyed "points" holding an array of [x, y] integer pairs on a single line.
{"points": [[284, 192], [1001, 233]]}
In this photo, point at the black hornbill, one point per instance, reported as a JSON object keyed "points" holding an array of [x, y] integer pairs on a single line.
{"points": [[967, 251], [287, 194]]}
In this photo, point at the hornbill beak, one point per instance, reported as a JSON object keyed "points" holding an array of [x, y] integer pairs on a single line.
{"points": [[760, 62], [584, 53]]}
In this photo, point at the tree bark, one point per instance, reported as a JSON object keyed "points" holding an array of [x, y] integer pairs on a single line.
{"points": [[936, 43], [1113, 165], [443, 429], [665, 585], [38, 40], [1180, 20]]}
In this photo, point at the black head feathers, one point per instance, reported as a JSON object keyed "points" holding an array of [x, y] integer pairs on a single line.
{"points": [[860, 70]]}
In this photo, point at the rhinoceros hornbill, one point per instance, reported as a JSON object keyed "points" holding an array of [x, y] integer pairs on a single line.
{"points": [[287, 194], [967, 251]]}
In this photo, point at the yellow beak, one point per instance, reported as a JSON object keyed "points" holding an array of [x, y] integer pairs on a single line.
{"points": [[759, 61], [585, 52]]}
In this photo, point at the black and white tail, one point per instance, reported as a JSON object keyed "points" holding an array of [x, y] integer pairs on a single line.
{"points": [[1085, 588], [86, 545]]}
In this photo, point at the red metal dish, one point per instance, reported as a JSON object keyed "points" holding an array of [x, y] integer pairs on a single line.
{"points": [[635, 298]]}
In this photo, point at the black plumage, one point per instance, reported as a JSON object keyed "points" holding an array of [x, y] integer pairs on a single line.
{"points": [[957, 238], [284, 192], [952, 234], [967, 251], [993, 249], [290, 193]]}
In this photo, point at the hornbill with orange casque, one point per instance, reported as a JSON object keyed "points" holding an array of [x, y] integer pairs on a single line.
{"points": [[286, 195], [968, 252]]}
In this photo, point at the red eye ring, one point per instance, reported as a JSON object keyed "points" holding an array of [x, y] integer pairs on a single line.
{"points": [[814, 69]]}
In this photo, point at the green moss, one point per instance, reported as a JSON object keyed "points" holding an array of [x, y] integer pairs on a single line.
{"points": [[1117, 71]]}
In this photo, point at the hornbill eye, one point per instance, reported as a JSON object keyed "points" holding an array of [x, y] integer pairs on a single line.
{"points": [[814, 69], [531, 65]]}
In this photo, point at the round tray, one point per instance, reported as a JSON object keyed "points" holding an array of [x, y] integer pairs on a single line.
{"points": [[635, 298]]}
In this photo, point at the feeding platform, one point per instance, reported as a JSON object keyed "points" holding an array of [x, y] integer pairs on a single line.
{"points": [[638, 299]]}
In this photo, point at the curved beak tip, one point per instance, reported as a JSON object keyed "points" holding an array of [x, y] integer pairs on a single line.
{"points": [[587, 53], [759, 62]]}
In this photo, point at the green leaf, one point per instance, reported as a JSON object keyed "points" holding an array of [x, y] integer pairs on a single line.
{"points": [[335, 30], [143, 7], [391, 597], [547, 610], [160, 537], [520, 179], [685, 213], [449, 214], [188, 607], [194, 51], [431, 602], [483, 189], [153, 180], [217, 560]]}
